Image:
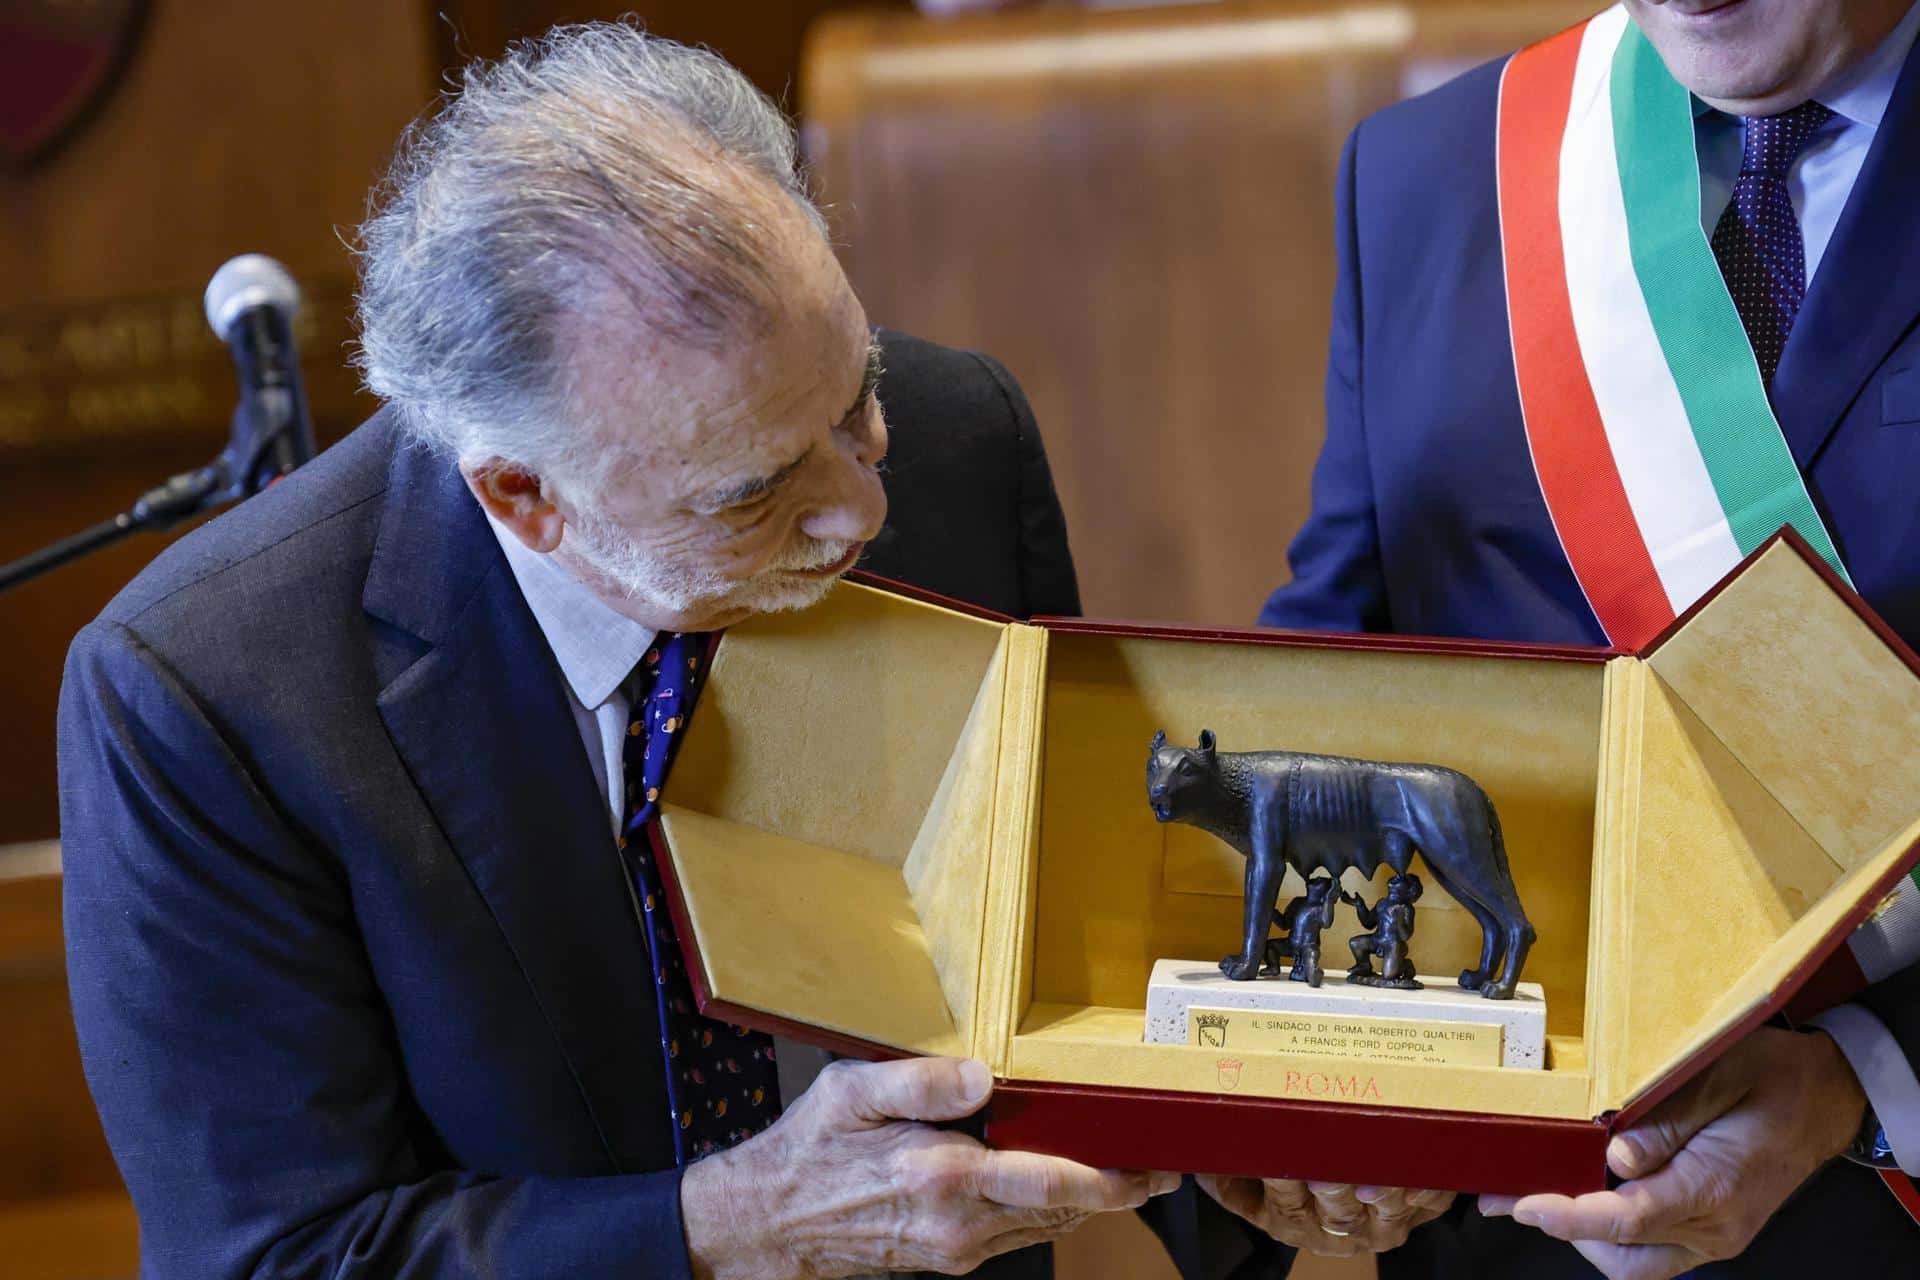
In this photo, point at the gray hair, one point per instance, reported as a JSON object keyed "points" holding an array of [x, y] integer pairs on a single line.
{"points": [[597, 159]]}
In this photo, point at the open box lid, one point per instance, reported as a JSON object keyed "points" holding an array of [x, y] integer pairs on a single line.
{"points": [[1763, 794], [828, 866]]}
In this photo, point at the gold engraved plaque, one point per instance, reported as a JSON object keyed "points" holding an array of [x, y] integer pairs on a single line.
{"points": [[1334, 1035]]}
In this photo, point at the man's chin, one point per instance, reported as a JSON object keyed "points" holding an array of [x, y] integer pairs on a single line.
{"points": [[778, 592], [793, 592]]}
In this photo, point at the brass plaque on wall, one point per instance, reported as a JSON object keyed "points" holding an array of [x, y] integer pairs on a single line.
{"points": [[149, 369]]}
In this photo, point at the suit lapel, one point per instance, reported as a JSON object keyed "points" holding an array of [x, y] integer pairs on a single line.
{"points": [[1866, 293], [482, 722]]}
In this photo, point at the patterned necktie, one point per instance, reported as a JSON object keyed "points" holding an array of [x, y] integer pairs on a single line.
{"points": [[1757, 239], [720, 1078]]}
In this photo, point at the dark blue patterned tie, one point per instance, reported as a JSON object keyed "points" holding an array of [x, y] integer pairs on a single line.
{"points": [[1758, 241], [720, 1078]]}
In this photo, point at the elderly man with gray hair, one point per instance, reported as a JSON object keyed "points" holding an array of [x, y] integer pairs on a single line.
{"points": [[369, 979]]}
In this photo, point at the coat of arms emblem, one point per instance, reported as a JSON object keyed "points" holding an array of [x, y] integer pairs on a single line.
{"points": [[1211, 1030], [1229, 1069], [58, 59]]}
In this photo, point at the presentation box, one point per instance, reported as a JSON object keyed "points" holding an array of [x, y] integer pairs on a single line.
{"points": [[898, 826]]}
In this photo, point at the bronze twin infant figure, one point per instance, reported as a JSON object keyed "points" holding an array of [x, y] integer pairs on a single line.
{"points": [[1281, 809], [1389, 923]]}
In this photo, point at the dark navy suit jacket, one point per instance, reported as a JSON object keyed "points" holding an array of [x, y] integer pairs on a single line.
{"points": [[1427, 518], [359, 988]]}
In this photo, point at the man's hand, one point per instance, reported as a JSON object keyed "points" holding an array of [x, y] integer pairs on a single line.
{"points": [[1712, 1163], [1328, 1218], [846, 1182]]}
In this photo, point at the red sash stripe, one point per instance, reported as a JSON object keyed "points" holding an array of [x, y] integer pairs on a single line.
{"points": [[1571, 455]]}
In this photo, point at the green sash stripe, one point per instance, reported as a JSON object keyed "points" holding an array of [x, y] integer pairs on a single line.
{"points": [[1700, 332]]}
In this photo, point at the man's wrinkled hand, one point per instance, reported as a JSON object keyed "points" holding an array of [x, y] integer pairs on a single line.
{"points": [[854, 1179], [1711, 1164], [1333, 1219]]}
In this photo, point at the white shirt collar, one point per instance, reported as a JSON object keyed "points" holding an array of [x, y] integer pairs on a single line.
{"points": [[596, 647]]}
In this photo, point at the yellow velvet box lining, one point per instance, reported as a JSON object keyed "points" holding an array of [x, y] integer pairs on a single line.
{"points": [[921, 829]]}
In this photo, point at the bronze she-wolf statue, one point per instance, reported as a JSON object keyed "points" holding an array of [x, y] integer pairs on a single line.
{"points": [[1287, 808]]}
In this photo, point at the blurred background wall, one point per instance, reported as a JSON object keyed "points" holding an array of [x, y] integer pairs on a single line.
{"points": [[1129, 205]]}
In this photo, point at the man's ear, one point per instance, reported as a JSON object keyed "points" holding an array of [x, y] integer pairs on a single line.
{"points": [[516, 498]]}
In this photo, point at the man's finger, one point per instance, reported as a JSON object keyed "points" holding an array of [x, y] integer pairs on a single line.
{"points": [[1023, 1180], [1383, 1201], [1640, 1150], [1336, 1195], [928, 1089], [1331, 1244], [1339, 1209], [1626, 1216], [1244, 1197], [1492, 1206], [1291, 1197]]}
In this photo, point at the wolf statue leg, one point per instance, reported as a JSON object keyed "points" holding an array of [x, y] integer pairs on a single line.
{"points": [[1519, 930], [1492, 936], [1263, 891], [1266, 866]]}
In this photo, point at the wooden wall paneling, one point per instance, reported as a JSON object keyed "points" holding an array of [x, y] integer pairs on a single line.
{"points": [[235, 127], [762, 39], [50, 1139], [1132, 209]]}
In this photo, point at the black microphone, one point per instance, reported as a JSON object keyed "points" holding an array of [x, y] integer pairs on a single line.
{"points": [[251, 303]]}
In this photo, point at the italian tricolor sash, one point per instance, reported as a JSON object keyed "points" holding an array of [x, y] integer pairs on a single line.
{"points": [[1652, 436]]}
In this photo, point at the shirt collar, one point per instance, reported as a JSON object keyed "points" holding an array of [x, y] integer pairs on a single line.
{"points": [[1862, 92], [596, 647]]}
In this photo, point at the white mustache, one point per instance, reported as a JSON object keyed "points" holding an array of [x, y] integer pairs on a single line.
{"points": [[817, 555]]}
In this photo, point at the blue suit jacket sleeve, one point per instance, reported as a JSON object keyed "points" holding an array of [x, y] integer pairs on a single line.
{"points": [[236, 1042], [1337, 581]]}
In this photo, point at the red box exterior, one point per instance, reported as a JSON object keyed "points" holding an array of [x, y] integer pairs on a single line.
{"points": [[1280, 1138]]}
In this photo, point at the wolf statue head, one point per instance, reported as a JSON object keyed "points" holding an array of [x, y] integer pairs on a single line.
{"points": [[1181, 780]]}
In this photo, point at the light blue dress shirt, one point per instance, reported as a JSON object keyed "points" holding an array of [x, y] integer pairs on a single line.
{"points": [[597, 649], [1819, 183]]}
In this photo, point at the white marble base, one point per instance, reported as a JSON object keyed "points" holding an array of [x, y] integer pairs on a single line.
{"points": [[1177, 985]]}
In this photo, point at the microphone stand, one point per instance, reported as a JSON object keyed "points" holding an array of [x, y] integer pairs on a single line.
{"points": [[242, 470]]}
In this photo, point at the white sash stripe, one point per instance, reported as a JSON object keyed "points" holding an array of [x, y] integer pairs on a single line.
{"points": [[1886, 945], [1660, 465]]}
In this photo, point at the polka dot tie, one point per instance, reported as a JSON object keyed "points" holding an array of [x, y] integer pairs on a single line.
{"points": [[1757, 240], [721, 1079]]}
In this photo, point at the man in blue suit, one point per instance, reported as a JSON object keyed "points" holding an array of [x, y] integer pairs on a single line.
{"points": [[1441, 507], [368, 969]]}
